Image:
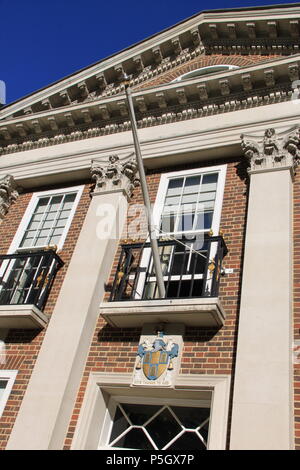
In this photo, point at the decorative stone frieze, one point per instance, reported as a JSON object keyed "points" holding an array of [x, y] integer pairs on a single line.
{"points": [[100, 77], [139, 65], [36, 127], [246, 82], [251, 30], [157, 54], [181, 96], [176, 45], [195, 36], [203, 95], [269, 77], [64, 95], [141, 104], [272, 151], [231, 30], [8, 194], [224, 87], [115, 175], [293, 71], [53, 123]]}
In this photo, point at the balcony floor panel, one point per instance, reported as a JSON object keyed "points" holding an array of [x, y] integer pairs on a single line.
{"points": [[203, 312], [22, 317]]}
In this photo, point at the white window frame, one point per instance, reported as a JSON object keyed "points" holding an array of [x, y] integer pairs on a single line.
{"points": [[10, 376], [163, 186], [159, 206], [115, 400], [102, 386], [15, 245]]}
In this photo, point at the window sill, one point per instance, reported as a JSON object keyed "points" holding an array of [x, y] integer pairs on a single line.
{"points": [[27, 317], [204, 312]]}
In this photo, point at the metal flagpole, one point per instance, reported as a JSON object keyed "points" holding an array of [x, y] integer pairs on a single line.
{"points": [[153, 239]]}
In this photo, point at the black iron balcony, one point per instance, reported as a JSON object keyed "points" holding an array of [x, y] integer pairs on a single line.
{"points": [[191, 268], [25, 281]]}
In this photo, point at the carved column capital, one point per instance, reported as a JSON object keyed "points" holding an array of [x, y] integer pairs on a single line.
{"points": [[115, 175], [8, 194], [272, 151]]}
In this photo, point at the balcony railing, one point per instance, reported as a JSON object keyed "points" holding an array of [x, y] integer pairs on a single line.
{"points": [[191, 268], [27, 278]]}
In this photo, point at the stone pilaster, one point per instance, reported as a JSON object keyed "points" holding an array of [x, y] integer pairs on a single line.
{"points": [[262, 402], [52, 390]]}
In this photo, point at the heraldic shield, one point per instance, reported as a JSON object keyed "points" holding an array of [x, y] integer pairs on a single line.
{"points": [[155, 364], [155, 357]]}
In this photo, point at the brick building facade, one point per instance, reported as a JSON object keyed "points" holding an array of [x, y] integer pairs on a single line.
{"points": [[91, 356]]}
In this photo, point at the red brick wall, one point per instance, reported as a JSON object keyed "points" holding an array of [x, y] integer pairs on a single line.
{"points": [[206, 351], [22, 346], [204, 61]]}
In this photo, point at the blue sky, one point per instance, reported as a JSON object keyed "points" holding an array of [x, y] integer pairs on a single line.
{"points": [[42, 42]]}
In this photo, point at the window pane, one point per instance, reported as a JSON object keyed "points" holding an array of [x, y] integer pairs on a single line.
{"points": [[172, 200], [64, 214], [55, 202], [135, 439], [47, 224], [204, 431], [41, 241], [139, 414], [163, 428], [191, 417], [186, 222], [120, 425], [191, 185], [42, 204], [43, 233], [188, 441], [54, 240], [167, 223], [175, 186], [204, 220], [207, 196], [37, 217], [190, 198], [50, 216], [68, 201], [210, 178]]}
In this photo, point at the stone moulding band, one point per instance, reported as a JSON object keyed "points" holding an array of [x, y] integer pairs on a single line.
{"points": [[174, 114]]}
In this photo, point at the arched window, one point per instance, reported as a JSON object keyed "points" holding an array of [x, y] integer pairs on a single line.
{"points": [[211, 69]]}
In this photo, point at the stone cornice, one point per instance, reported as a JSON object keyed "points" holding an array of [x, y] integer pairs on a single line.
{"points": [[186, 142], [244, 88], [265, 31], [8, 194], [272, 151]]}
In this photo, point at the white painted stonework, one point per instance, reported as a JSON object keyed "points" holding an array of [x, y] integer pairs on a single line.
{"points": [[262, 401]]}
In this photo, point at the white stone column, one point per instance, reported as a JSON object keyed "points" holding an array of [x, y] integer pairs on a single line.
{"points": [[262, 415], [48, 403]]}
